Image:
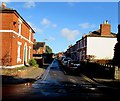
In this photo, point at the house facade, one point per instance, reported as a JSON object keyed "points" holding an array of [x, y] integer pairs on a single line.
{"points": [[16, 37], [96, 45], [39, 47]]}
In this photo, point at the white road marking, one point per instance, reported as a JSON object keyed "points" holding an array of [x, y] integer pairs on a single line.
{"points": [[72, 80]]}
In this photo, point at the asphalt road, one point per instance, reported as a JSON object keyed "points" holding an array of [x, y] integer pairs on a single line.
{"points": [[55, 85]]}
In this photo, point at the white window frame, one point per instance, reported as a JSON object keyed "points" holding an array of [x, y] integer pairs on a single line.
{"points": [[25, 45], [19, 26], [29, 52], [30, 34], [19, 51]]}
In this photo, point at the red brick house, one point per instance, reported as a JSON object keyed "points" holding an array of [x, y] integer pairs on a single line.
{"points": [[16, 38], [39, 47], [59, 55], [39, 50]]}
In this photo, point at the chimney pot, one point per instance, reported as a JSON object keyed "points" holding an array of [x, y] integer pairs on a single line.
{"points": [[106, 22], [3, 5]]}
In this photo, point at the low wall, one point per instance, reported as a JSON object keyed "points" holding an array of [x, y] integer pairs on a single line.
{"points": [[98, 70]]}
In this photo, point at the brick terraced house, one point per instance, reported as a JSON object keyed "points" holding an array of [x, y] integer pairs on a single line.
{"points": [[95, 45], [39, 48], [16, 39]]}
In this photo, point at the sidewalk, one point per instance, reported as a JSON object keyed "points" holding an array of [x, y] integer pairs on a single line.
{"points": [[34, 73], [108, 82], [27, 74]]}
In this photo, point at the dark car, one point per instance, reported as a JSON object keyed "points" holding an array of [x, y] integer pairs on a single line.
{"points": [[65, 61], [73, 66]]}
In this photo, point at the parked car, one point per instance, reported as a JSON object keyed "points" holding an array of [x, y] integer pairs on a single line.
{"points": [[65, 60], [60, 59], [73, 66]]}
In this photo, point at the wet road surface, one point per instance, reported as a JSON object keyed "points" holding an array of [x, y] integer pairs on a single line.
{"points": [[55, 85]]}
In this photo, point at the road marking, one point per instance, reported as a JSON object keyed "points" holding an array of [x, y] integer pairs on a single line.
{"points": [[72, 80], [46, 73], [55, 74]]}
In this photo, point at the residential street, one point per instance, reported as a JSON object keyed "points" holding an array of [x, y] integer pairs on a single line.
{"points": [[55, 51], [55, 85]]}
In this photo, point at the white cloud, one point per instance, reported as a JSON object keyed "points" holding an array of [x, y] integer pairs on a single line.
{"points": [[86, 25], [49, 39], [54, 25], [45, 22], [46, 39], [69, 34], [71, 3], [30, 16], [48, 23], [5, 1], [38, 30], [29, 4]]}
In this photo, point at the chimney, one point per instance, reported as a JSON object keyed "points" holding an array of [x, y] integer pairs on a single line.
{"points": [[3, 5], [105, 29], [34, 40]]}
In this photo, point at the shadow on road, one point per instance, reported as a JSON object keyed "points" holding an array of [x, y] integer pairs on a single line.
{"points": [[6, 80]]}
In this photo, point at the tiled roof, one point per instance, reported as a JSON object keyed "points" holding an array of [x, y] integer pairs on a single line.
{"points": [[97, 34], [6, 8], [38, 45]]}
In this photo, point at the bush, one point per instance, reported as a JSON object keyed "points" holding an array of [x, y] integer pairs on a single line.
{"points": [[32, 62]]}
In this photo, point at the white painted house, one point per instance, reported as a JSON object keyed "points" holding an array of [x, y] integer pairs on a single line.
{"points": [[101, 47], [96, 45]]}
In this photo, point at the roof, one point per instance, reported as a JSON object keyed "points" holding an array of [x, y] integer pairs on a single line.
{"points": [[38, 45], [97, 34], [6, 8], [10, 10]]}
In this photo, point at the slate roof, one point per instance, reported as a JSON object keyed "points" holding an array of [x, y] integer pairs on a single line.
{"points": [[97, 34], [38, 45]]}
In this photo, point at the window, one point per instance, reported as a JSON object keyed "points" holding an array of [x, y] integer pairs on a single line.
{"points": [[19, 49], [29, 52], [81, 44], [30, 34], [19, 26]]}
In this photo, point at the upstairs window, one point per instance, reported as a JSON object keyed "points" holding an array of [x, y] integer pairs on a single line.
{"points": [[19, 26], [30, 33]]}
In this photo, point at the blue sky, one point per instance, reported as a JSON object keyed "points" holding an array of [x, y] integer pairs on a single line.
{"points": [[60, 24]]}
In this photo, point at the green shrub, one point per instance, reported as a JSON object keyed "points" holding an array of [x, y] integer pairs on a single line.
{"points": [[32, 62]]}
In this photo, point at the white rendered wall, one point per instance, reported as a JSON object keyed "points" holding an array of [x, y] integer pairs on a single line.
{"points": [[101, 47]]}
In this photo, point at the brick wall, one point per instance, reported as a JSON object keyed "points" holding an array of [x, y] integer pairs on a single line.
{"points": [[105, 29], [10, 39]]}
